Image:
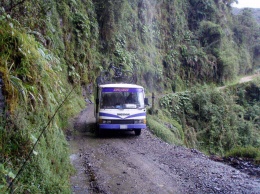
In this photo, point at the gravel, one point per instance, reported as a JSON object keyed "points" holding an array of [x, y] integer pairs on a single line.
{"points": [[120, 162]]}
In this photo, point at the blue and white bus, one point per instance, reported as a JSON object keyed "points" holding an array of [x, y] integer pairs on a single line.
{"points": [[120, 107]]}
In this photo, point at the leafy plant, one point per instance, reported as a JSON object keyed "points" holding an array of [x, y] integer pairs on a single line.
{"points": [[212, 120], [5, 176], [244, 152]]}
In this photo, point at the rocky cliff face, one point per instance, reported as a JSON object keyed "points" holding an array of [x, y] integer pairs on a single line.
{"points": [[169, 45], [172, 44]]}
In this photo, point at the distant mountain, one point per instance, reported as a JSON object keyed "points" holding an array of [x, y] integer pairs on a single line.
{"points": [[236, 10], [256, 12]]}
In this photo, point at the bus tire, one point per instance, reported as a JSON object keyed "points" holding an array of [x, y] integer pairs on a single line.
{"points": [[137, 132], [97, 131]]}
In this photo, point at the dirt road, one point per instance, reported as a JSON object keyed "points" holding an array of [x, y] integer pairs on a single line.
{"points": [[124, 163], [248, 78], [243, 80]]}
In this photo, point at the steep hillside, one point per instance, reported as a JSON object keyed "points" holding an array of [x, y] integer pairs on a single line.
{"points": [[51, 48], [47, 51], [171, 45]]}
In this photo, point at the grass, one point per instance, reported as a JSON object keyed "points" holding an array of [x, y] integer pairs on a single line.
{"points": [[245, 152], [167, 132]]}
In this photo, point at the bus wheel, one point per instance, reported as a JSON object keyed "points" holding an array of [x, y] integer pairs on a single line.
{"points": [[97, 131], [137, 132]]}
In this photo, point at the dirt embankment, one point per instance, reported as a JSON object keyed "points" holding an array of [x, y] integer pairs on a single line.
{"points": [[124, 163]]}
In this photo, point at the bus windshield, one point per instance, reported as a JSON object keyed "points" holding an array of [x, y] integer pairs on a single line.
{"points": [[122, 98]]}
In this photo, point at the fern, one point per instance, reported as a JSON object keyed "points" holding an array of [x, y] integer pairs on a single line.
{"points": [[18, 85]]}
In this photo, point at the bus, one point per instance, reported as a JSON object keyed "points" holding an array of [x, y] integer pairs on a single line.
{"points": [[120, 107]]}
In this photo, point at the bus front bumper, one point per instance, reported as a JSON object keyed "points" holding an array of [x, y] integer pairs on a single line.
{"points": [[122, 126]]}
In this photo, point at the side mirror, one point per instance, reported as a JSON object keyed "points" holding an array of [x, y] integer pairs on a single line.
{"points": [[146, 101]]}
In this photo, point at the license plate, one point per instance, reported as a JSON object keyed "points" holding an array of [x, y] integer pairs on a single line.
{"points": [[123, 126]]}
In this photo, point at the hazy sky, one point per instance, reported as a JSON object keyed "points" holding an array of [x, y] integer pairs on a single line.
{"points": [[247, 3]]}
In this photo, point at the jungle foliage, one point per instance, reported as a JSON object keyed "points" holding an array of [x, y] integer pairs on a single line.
{"points": [[217, 121], [38, 70], [47, 48]]}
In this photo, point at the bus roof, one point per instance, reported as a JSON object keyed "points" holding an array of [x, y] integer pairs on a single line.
{"points": [[120, 85]]}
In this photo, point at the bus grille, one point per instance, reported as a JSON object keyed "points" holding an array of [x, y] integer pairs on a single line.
{"points": [[122, 121]]}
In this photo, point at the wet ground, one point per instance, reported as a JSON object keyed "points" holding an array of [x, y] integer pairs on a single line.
{"points": [[247, 166], [121, 162]]}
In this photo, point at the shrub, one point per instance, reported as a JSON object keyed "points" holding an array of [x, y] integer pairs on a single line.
{"points": [[244, 152]]}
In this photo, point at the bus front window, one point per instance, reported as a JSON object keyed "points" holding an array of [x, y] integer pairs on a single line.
{"points": [[122, 99]]}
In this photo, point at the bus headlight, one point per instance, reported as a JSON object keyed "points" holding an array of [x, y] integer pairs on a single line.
{"points": [[142, 121], [103, 121]]}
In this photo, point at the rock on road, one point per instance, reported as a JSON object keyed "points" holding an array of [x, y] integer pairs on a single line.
{"points": [[121, 162]]}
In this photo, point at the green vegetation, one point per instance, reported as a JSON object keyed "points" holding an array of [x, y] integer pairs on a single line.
{"points": [[244, 152], [47, 48], [35, 83], [170, 131], [217, 121]]}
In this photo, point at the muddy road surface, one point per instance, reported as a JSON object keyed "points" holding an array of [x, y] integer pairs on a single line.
{"points": [[121, 162]]}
